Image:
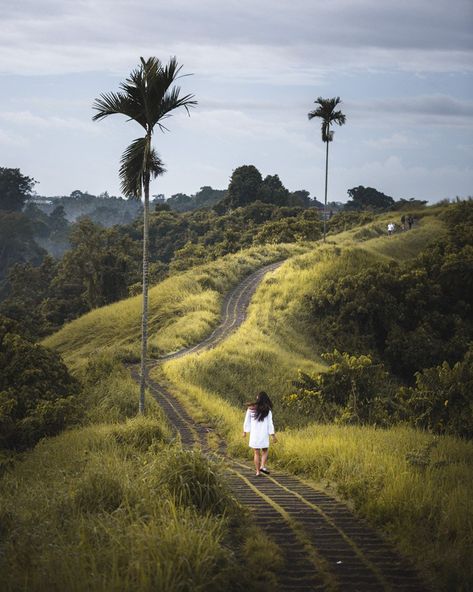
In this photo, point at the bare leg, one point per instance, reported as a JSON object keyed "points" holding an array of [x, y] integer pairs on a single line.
{"points": [[257, 460], [264, 457]]}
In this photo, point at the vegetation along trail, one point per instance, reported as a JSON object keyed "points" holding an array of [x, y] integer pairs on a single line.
{"points": [[324, 546]]}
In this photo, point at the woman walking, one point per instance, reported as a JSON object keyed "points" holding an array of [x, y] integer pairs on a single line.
{"points": [[259, 424]]}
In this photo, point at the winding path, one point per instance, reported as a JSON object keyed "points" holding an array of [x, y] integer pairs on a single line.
{"points": [[324, 546]]}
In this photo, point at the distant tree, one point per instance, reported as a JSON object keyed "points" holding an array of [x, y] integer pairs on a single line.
{"points": [[180, 202], [329, 116], [407, 204], [17, 244], [77, 194], [245, 186], [273, 191], [38, 396], [15, 189], [147, 97], [207, 196], [364, 198], [29, 286], [300, 198]]}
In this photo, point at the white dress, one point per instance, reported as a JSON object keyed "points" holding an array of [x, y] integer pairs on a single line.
{"points": [[259, 430]]}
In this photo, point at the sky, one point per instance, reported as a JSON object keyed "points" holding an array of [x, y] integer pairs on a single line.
{"points": [[402, 68]]}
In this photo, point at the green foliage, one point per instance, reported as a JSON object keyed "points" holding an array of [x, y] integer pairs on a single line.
{"points": [[288, 230], [192, 480], [109, 394], [441, 400], [206, 197], [28, 289], [459, 221], [15, 189], [368, 198], [97, 491], [412, 315], [245, 186], [38, 396], [353, 389], [342, 221], [17, 244], [140, 432], [273, 191], [104, 209], [108, 509]]}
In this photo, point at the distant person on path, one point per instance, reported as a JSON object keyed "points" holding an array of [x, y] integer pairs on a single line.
{"points": [[390, 228], [259, 424], [410, 221], [403, 222]]}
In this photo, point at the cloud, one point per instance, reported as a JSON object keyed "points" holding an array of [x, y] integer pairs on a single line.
{"points": [[30, 120], [261, 39], [434, 110], [10, 140], [396, 140]]}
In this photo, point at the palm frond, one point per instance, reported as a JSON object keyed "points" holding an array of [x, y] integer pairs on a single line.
{"points": [[147, 95], [138, 160], [326, 112]]}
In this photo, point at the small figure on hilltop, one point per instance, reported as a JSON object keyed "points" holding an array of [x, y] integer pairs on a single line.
{"points": [[391, 228], [259, 424]]}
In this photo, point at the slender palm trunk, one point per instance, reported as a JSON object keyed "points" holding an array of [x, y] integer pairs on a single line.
{"points": [[144, 318], [326, 186]]}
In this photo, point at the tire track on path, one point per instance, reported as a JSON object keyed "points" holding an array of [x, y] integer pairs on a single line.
{"points": [[324, 546]]}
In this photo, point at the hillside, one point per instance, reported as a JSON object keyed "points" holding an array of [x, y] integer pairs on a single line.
{"points": [[398, 477]]}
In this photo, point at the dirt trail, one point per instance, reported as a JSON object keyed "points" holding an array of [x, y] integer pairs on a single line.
{"points": [[325, 547]]}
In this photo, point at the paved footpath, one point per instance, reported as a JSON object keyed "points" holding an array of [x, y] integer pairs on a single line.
{"points": [[324, 546]]}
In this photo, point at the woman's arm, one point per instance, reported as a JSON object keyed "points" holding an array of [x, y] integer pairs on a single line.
{"points": [[271, 430], [247, 422]]}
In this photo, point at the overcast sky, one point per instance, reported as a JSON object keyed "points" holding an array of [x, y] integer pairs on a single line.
{"points": [[403, 69]]}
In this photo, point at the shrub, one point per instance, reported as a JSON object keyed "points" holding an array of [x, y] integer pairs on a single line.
{"points": [[38, 396], [354, 389], [346, 220], [193, 481], [441, 400], [140, 433], [108, 390], [98, 491]]}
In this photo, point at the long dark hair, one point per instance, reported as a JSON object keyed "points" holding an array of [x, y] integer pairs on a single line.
{"points": [[261, 407]]}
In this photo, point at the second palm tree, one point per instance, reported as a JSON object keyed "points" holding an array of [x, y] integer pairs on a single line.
{"points": [[329, 115]]}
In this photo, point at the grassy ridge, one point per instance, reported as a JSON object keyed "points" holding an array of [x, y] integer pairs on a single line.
{"points": [[275, 340], [120, 506], [182, 310], [417, 487]]}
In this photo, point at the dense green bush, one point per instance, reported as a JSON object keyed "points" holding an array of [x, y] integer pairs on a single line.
{"points": [[38, 396], [108, 390], [442, 400], [345, 220], [191, 480], [288, 230], [354, 389], [411, 316]]}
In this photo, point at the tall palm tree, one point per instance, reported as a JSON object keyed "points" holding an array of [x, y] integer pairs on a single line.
{"points": [[327, 113], [148, 97]]}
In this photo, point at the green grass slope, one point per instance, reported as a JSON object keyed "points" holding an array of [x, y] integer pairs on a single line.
{"points": [[183, 309], [415, 486]]}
